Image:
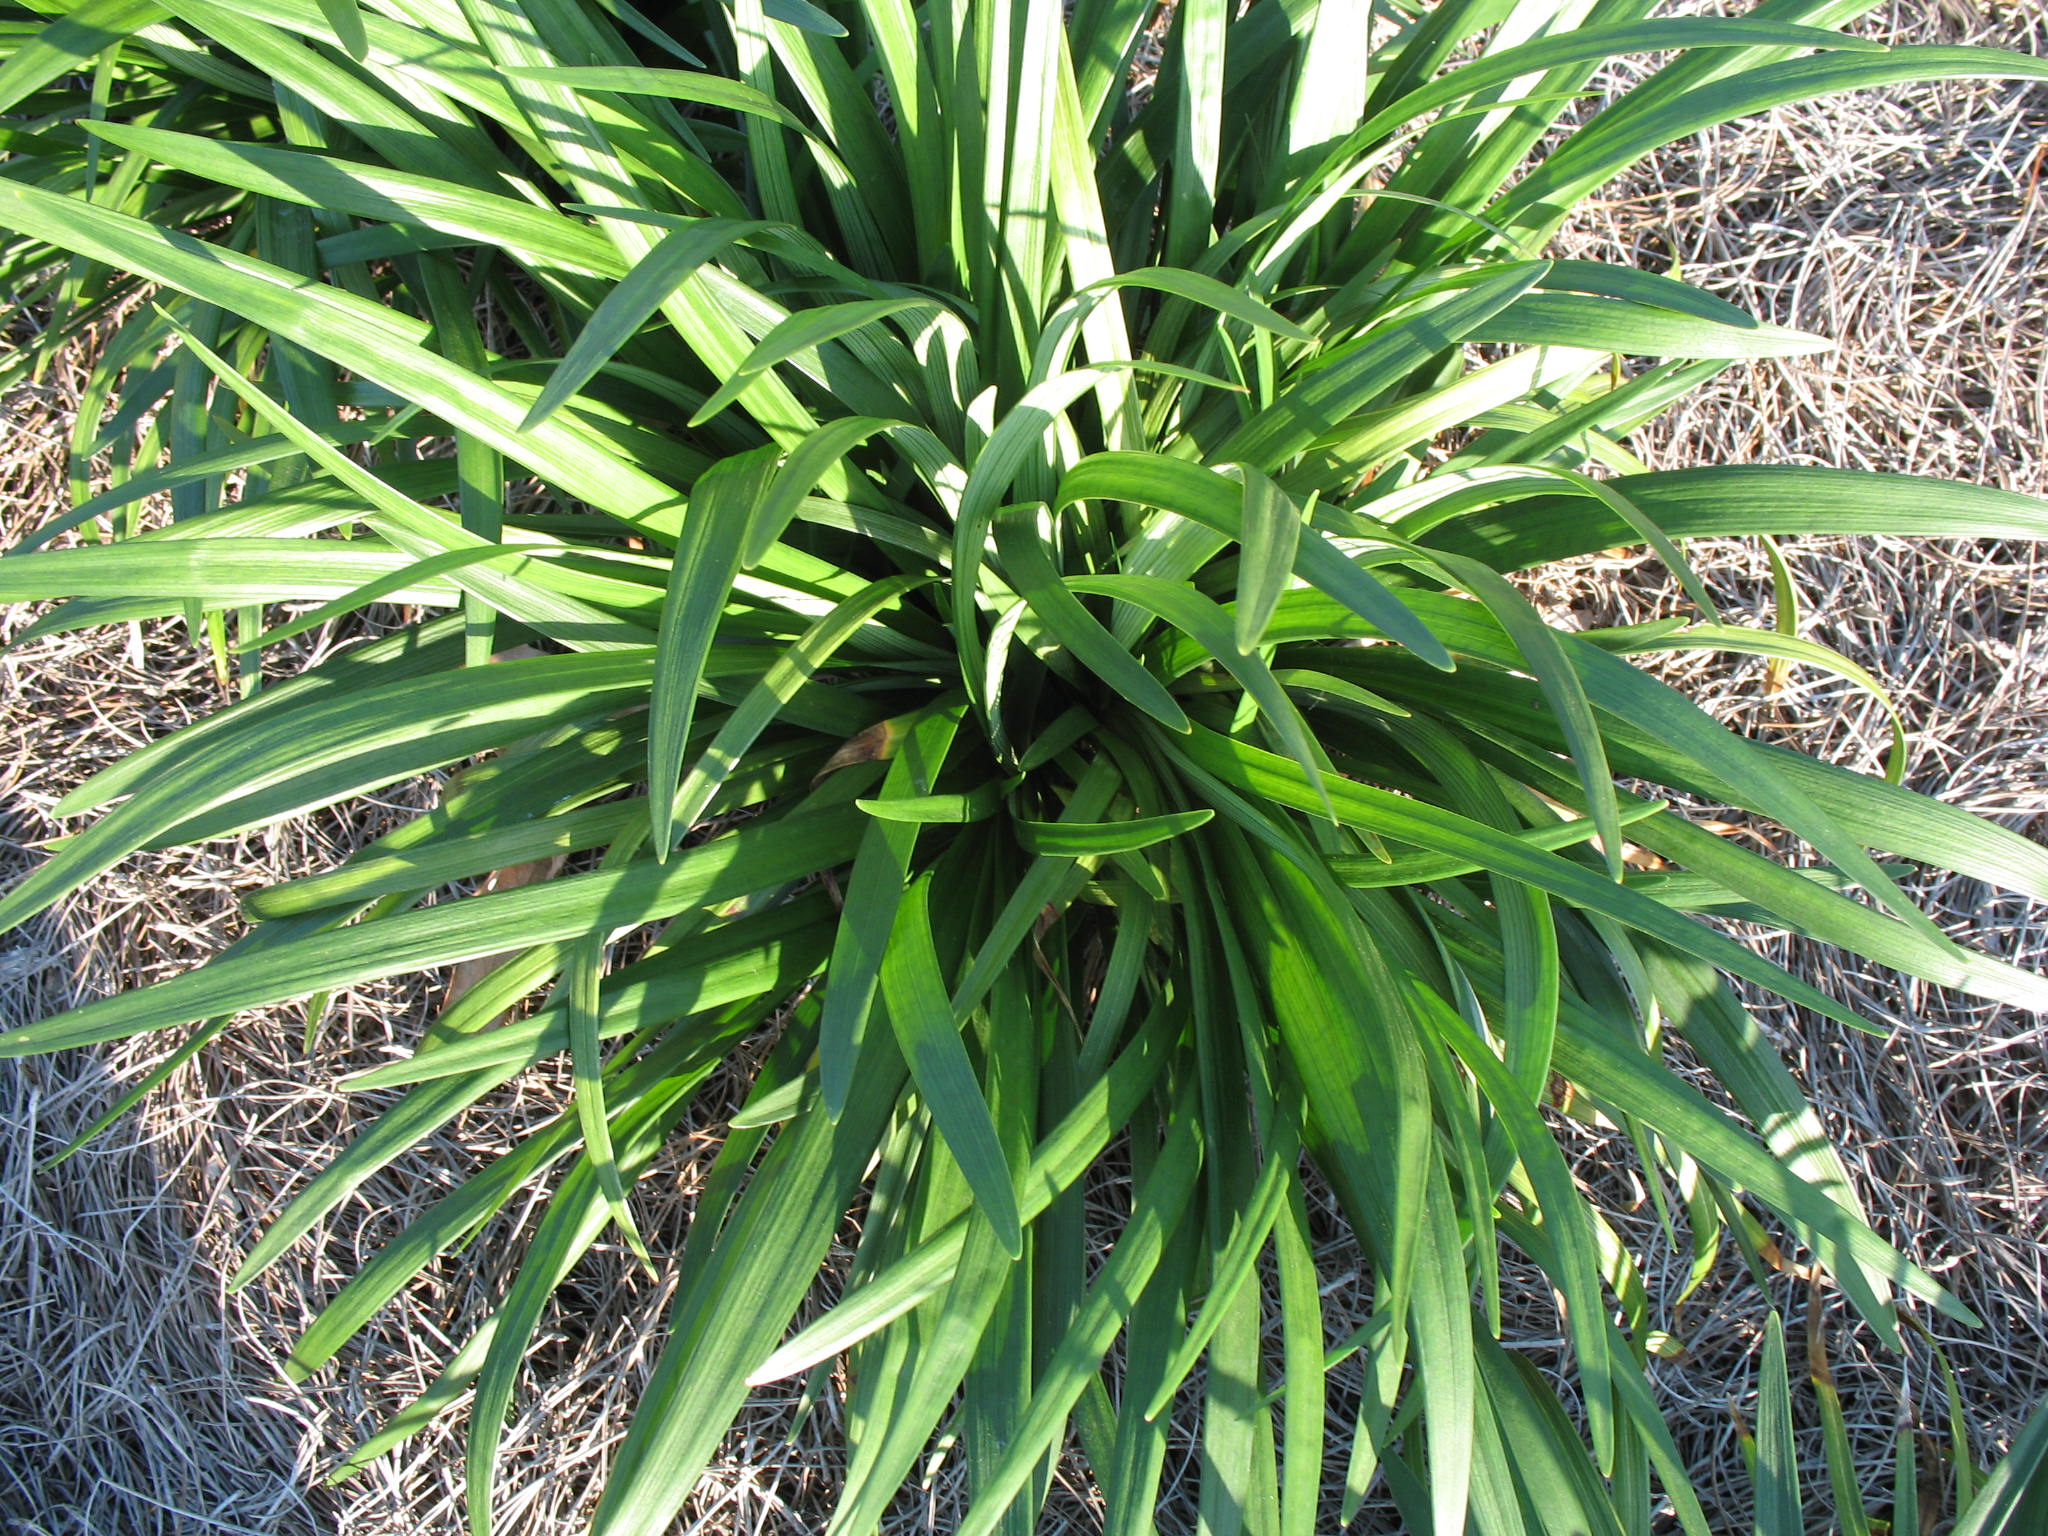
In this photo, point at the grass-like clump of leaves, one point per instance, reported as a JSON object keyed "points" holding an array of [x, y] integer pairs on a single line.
{"points": [[1009, 579]]}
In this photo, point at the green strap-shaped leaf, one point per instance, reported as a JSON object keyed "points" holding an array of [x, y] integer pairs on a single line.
{"points": [[1050, 881], [365, 338], [579, 992], [1622, 690], [1308, 680], [873, 893], [1156, 1212], [678, 84], [914, 992], [1653, 288], [1231, 1267], [382, 589], [1013, 443], [373, 192], [226, 572], [333, 747], [1582, 45], [416, 651], [1740, 499], [1802, 899], [455, 1216], [1441, 1314], [800, 332], [1070, 839], [2015, 1487], [815, 456], [778, 685], [1207, 498], [956, 810], [380, 871], [244, 453], [1350, 1044], [1778, 1511], [642, 291], [756, 858], [1561, 1485], [1020, 541], [1104, 1106], [804, 16], [1303, 1373], [573, 1221], [1422, 868], [1272, 535], [1636, 330], [1209, 292], [1622, 135], [418, 530], [739, 1293], [1206, 623], [1786, 647], [1331, 395], [749, 957], [1546, 657], [1635, 703], [1876, 813], [1621, 1075], [1565, 1216], [346, 17], [1275, 778], [969, 1334], [722, 507], [69, 43], [1724, 1034]]}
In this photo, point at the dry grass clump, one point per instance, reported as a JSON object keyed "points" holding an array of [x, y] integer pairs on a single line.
{"points": [[136, 1396]]}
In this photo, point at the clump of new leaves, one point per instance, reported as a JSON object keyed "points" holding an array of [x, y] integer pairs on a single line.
{"points": [[1009, 581]]}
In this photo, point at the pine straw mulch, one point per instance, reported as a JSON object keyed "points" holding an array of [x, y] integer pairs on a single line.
{"points": [[138, 1398]]}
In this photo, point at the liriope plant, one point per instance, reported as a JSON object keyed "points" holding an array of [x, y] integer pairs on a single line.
{"points": [[1003, 571]]}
